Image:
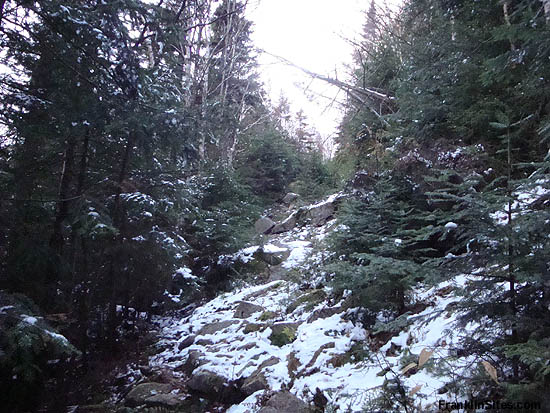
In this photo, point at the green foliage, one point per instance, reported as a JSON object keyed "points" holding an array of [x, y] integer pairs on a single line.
{"points": [[269, 165], [28, 347], [286, 336], [315, 179]]}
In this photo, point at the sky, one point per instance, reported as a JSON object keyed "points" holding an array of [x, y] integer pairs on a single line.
{"points": [[311, 34]]}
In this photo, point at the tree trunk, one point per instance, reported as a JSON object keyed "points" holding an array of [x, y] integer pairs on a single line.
{"points": [[57, 240]]}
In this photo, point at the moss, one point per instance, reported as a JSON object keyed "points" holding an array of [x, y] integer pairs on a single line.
{"points": [[267, 315], [286, 336]]}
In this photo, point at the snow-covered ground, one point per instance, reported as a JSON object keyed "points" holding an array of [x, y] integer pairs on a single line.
{"points": [[321, 355]]}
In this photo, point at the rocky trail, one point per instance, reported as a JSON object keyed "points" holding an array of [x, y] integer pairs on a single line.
{"points": [[281, 343]]}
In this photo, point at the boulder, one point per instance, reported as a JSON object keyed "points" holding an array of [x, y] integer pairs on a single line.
{"points": [[290, 198], [285, 402], [213, 328], [257, 381], [253, 327], [246, 309], [321, 213], [362, 180], [283, 333], [271, 254], [285, 225], [164, 400], [264, 225], [206, 382], [203, 342], [195, 359], [139, 394], [188, 341], [215, 387], [324, 313]]}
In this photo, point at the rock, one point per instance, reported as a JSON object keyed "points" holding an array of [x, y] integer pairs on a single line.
{"points": [[363, 180], [324, 313], [164, 400], [139, 394], [257, 381], [321, 213], [188, 341], [204, 342], [264, 225], [290, 198], [246, 309], [283, 333], [293, 364], [319, 400], [285, 402], [246, 346], [272, 255], [285, 225], [215, 387], [254, 383], [252, 327], [207, 382], [195, 359], [213, 328]]}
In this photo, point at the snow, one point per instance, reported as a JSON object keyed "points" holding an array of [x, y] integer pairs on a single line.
{"points": [[186, 273], [298, 254], [57, 336], [329, 200], [322, 344], [30, 320]]}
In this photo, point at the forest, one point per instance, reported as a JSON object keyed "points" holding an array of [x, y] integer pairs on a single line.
{"points": [[172, 239]]}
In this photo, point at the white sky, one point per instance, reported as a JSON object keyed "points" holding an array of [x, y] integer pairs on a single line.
{"points": [[309, 33]]}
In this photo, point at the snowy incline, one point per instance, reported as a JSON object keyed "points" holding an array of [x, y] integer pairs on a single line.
{"points": [[284, 335]]}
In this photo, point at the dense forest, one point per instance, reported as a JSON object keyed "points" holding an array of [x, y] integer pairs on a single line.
{"points": [[139, 148]]}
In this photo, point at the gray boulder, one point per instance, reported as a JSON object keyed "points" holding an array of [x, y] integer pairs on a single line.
{"points": [[246, 309], [142, 392], [285, 402], [290, 198], [164, 400], [283, 333], [272, 256], [264, 225], [188, 341], [213, 328], [195, 359], [206, 382], [321, 213], [285, 225], [257, 380], [215, 387]]}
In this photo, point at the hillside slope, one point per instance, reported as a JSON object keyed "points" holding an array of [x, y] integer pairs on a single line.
{"points": [[286, 333]]}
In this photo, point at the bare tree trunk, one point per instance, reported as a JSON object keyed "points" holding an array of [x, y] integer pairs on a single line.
{"points": [[118, 223], [547, 10], [57, 240]]}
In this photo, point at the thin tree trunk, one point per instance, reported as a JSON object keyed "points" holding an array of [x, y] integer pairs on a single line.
{"points": [[118, 223], [57, 240]]}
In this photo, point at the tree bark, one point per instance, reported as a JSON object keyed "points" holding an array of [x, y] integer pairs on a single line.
{"points": [[57, 240]]}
